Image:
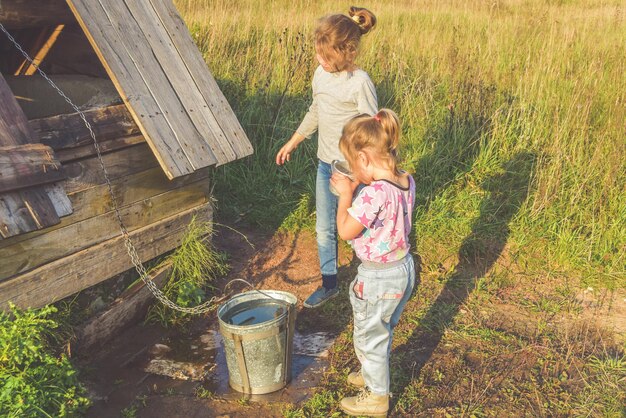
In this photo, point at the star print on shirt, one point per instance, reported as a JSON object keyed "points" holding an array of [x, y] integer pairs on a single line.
{"points": [[378, 223], [401, 243], [383, 247], [366, 199], [363, 219], [378, 187]]}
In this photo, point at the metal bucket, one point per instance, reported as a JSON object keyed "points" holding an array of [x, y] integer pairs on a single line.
{"points": [[258, 355]]}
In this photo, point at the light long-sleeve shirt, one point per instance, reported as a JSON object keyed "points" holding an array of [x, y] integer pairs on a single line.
{"points": [[337, 98]]}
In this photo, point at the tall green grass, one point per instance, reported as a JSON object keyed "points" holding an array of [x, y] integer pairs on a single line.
{"points": [[476, 84]]}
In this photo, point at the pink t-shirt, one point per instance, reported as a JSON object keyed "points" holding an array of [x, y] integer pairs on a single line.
{"points": [[384, 209]]}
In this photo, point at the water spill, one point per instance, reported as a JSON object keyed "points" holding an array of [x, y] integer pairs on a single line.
{"points": [[254, 312]]}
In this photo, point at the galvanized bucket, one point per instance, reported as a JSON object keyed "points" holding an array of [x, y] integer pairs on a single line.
{"points": [[259, 356]]}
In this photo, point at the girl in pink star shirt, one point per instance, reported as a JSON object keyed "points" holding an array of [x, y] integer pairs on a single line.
{"points": [[377, 222]]}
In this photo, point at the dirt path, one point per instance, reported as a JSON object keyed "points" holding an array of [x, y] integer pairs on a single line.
{"points": [[121, 387]]}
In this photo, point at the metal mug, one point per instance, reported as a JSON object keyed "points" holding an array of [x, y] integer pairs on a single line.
{"points": [[342, 168]]}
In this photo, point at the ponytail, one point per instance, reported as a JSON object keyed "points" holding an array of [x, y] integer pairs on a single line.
{"points": [[379, 133], [363, 18], [391, 125]]}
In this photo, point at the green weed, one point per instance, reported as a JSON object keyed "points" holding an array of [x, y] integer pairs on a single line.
{"points": [[194, 266], [34, 381], [203, 393]]}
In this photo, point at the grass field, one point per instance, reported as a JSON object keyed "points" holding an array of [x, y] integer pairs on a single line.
{"points": [[514, 126], [523, 102]]}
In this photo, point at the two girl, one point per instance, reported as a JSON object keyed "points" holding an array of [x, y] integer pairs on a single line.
{"points": [[378, 220]]}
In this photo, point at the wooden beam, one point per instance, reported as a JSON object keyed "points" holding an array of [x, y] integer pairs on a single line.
{"points": [[127, 309], [33, 208], [96, 201], [66, 276], [31, 47], [30, 68], [20, 14], [61, 242], [83, 174], [29, 165], [69, 130], [86, 151]]}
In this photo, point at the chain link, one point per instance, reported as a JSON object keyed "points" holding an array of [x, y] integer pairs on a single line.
{"points": [[132, 251]]}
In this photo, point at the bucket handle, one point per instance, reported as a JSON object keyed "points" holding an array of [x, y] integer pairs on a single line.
{"points": [[255, 289]]}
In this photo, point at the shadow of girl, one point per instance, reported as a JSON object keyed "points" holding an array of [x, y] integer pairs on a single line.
{"points": [[478, 253]]}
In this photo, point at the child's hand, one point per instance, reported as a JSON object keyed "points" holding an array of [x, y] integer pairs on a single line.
{"points": [[285, 152], [343, 184]]}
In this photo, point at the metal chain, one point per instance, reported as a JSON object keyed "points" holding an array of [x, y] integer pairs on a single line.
{"points": [[132, 252]]}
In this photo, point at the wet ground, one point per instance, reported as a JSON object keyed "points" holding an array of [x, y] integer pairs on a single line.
{"points": [[150, 371], [144, 369]]}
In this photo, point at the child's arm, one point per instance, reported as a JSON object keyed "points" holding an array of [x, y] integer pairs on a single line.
{"points": [[305, 130], [347, 227]]}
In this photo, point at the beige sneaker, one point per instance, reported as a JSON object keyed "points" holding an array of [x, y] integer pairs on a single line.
{"points": [[367, 404], [356, 379]]}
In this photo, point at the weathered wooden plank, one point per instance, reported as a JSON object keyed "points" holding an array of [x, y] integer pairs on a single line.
{"points": [[60, 201], [69, 130], [39, 206], [63, 277], [181, 81], [16, 216], [14, 129], [28, 165], [206, 84], [94, 201], [61, 242], [87, 173], [140, 51], [17, 207], [21, 14], [84, 151], [154, 120], [127, 309]]}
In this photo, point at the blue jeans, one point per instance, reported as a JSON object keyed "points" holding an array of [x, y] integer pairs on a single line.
{"points": [[326, 224], [378, 297]]}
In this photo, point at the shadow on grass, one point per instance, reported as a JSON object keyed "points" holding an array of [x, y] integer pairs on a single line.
{"points": [[477, 255]]}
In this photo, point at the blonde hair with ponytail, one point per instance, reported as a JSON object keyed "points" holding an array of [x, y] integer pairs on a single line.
{"points": [[337, 36], [379, 134]]}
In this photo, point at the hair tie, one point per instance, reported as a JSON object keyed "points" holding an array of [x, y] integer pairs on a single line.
{"points": [[376, 117], [357, 19]]}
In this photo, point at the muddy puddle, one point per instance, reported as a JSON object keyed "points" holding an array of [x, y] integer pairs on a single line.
{"points": [[146, 368]]}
